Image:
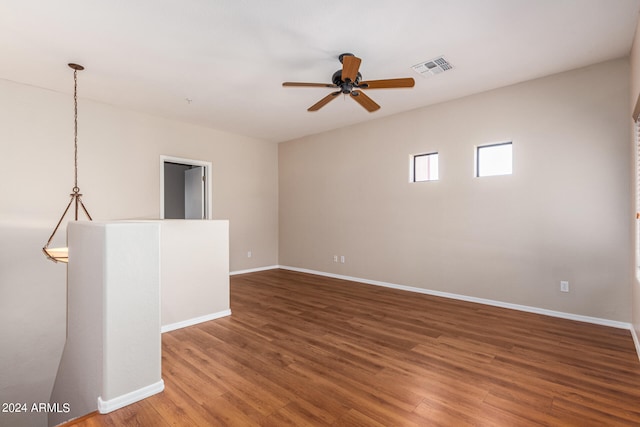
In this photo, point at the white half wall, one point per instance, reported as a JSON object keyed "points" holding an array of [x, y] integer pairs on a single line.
{"points": [[113, 348], [194, 271]]}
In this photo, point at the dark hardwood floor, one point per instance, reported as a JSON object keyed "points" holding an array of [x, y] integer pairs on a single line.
{"points": [[304, 350]]}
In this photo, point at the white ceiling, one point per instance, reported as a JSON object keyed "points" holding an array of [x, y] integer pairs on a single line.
{"points": [[230, 57]]}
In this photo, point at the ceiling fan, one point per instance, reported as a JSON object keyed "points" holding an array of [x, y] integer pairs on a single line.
{"points": [[349, 82]]}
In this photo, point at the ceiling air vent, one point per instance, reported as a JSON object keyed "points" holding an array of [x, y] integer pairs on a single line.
{"points": [[432, 66]]}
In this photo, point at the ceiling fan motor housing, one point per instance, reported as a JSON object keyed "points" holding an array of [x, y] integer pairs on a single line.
{"points": [[345, 87]]}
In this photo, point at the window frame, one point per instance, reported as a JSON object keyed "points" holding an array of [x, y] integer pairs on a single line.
{"points": [[636, 136], [477, 158], [412, 166]]}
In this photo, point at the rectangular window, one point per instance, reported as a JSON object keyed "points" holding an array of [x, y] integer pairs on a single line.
{"points": [[424, 167], [494, 159]]}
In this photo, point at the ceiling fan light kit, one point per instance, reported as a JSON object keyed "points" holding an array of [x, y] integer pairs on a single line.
{"points": [[348, 81]]}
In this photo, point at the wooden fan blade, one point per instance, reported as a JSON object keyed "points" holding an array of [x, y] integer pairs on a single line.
{"points": [[350, 66], [300, 84], [387, 84], [362, 99], [324, 101]]}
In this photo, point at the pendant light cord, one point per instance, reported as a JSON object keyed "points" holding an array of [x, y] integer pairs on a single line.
{"points": [[75, 130]]}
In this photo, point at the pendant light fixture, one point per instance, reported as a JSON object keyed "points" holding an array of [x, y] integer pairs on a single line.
{"points": [[62, 254]]}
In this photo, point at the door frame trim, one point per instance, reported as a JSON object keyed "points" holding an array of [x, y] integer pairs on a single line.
{"points": [[207, 181]]}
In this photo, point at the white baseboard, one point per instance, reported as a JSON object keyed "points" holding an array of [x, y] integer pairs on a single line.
{"points": [[529, 309], [253, 270], [634, 335], [106, 406], [194, 321]]}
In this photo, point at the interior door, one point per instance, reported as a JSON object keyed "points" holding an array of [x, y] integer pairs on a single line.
{"points": [[194, 193]]}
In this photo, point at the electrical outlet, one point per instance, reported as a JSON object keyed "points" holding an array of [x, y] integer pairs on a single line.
{"points": [[249, 254], [335, 258], [342, 259], [564, 286]]}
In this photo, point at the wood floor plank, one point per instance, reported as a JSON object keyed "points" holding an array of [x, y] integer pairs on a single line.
{"points": [[355, 418], [300, 413], [304, 350]]}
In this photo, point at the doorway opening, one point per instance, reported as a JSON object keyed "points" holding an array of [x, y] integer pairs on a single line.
{"points": [[185, 188]]}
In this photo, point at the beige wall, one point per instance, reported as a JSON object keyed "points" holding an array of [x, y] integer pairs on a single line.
{"points": [[562, 215], [195, 271], [119, 174], [635, 92]]}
